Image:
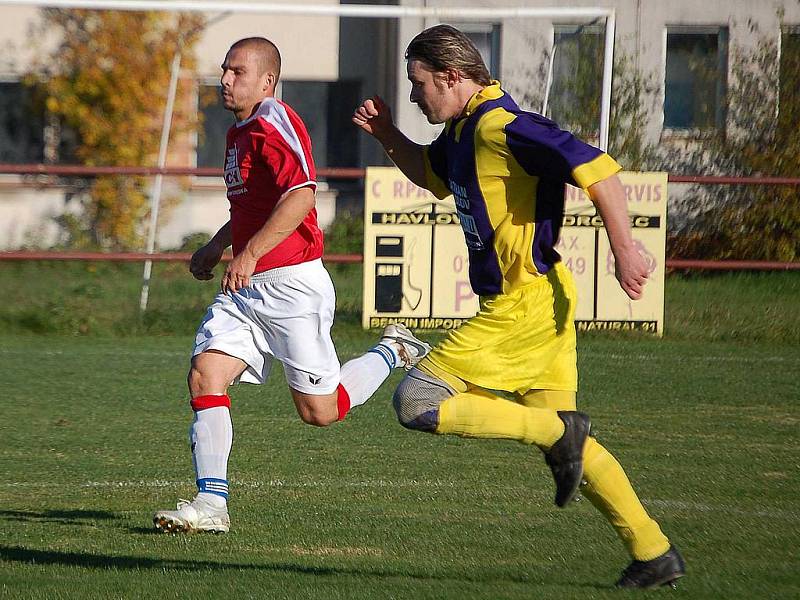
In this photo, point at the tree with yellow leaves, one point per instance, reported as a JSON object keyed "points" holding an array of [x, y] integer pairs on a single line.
{"points": [[107, 80]]}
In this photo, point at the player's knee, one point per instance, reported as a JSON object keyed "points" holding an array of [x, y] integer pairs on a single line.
{"points": [[317, 418], [316, 410], [212, 372], [416, 400], [202, 382], [197, 382]]}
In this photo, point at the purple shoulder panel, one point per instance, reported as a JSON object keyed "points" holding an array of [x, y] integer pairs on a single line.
{"points": [[544, 150]]}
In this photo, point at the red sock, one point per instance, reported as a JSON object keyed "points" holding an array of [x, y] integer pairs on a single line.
{"points": [[342, 401], [210, 401]]}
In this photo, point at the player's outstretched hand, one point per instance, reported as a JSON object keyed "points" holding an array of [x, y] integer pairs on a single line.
{"points": [[631, 271], [204, 260], [374, 116]]}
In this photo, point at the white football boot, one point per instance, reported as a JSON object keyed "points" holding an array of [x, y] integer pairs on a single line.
{"points": [[197, 515], [410, 349]]}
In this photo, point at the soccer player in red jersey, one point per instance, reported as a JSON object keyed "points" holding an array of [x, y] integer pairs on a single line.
{"points": [[276, 300]]}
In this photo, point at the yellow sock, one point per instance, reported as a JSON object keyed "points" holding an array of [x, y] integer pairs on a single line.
{"points": [[609, 490], [479, 414], [555, 399]]}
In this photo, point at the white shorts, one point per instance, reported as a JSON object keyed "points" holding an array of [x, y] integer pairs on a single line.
{"points": [[285, 313]]}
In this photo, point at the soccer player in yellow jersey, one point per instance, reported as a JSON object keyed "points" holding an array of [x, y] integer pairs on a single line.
{"points": [[506, 169]]}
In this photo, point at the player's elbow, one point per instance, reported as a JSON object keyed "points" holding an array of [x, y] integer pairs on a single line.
{"points": [[303, 197]]}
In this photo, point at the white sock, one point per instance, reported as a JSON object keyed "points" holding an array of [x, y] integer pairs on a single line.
{"points": [[389, 351], [365, 374], [211, 436]]}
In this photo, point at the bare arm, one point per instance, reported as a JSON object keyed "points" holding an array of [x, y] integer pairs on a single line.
{"points": [[206, 258], [630, 268], [375, 117], [285, 218]]}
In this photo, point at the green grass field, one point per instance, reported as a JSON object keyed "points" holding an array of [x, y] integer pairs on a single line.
{"points": [[94, 439]]}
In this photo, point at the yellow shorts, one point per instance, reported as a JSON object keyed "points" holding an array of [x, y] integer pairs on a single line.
{"points": [[520, 341]]}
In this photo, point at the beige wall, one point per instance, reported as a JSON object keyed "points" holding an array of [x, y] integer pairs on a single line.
{"points": [[16, 48], [309, 46], [292, 34]]}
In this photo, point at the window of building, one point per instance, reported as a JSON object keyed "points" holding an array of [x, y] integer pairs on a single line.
{"points": [[695, 85], [21, 124], [486, 37], [324, 106], [574, 100], [216, 121]]}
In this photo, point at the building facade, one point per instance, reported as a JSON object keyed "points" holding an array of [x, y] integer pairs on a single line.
{"points": [[683, 49]]}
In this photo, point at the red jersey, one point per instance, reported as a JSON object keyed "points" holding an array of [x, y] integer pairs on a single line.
{"points": [[267, 156]]}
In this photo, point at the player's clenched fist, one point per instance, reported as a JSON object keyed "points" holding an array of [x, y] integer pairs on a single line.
{"points": [[204, 260], [373, 116]]}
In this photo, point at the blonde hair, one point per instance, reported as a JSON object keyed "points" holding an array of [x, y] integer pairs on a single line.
{"points": [[444, 47]]}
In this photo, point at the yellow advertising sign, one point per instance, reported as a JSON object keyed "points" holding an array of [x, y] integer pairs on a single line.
{"points": [[416, 264], [584, 248], [415, 259]]}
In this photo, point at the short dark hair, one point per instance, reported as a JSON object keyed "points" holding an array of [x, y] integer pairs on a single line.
{"points": [[269, 58], [444, 47]]}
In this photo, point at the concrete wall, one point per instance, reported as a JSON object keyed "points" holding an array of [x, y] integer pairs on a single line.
{"points": [[28, 212], [301, 59], [367, 53]]}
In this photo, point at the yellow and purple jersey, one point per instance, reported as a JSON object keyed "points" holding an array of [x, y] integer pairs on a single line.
{"points": [[506, 169]]}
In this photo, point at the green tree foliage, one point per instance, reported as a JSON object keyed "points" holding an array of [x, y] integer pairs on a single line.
{"points": [[345, 235], [107, 80], [632, 91], [762, 138], [576, 94], [577, 80]]}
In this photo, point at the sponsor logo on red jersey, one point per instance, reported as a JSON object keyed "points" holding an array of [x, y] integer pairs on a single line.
{"points": [[233, 176]]}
